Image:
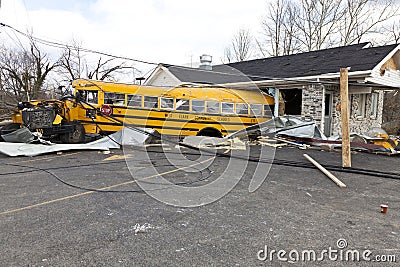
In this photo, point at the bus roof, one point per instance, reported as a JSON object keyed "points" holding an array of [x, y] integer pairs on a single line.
{"points": [[202, 93]]}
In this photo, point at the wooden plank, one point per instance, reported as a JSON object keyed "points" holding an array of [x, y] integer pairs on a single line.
{"points": [[325, 171], [344, 107]]}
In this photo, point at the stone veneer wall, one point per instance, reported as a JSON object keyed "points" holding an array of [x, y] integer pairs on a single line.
{"points": [[358, 125], [313, 105]]}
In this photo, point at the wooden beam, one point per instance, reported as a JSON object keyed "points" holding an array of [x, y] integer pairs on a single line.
{"points": [[344, 107], [325, 171]]}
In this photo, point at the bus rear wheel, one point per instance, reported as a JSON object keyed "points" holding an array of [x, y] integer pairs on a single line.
{"points": [[210, 131]]}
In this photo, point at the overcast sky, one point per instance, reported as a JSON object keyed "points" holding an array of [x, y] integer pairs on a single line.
{"points": [[173, 31]]}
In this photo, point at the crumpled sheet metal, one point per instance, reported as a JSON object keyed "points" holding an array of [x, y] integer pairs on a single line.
{"points": [[284, 125], [124, 137]]}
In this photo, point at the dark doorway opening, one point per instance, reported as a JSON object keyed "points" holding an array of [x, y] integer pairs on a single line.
{"points": [[293, 100]]}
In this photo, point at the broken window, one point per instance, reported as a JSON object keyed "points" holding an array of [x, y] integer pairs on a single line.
{"points": [[242, 109], [197, 105], [167, 103], [182, 104], [150, 102], [360, 112], [374, 105], [135, 100], [256, 109], [227, 108], [213, 107]]}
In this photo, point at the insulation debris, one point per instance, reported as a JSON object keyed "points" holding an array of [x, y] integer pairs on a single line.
{"points": [[214, 142]]}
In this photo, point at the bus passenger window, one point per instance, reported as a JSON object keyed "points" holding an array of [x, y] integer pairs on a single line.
{"points": [[135, 100], [212, 107], [256, 109], [114, 98], [182, 104], [150, 102], [108, 97], [268, 110], [242, 109], [167, 103], [227, 108], [197, 105]]}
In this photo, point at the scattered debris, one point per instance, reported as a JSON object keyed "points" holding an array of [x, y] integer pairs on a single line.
{"points": [[384, 208], [118, 157], [304, 134], [214, 142], [325, 171], [142, 228], [124, 137], [21, 135]]}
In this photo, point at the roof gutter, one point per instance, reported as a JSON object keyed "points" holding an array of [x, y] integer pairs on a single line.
{"points": [[301, 80]]}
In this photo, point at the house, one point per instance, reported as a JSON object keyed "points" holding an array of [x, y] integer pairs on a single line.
{"points": [[308, 82]]}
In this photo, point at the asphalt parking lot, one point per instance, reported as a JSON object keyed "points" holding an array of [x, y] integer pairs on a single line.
{"points": [[47, 218]]}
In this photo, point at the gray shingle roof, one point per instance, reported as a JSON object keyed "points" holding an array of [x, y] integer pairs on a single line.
{"points": [[312, 63], [316, 62]]}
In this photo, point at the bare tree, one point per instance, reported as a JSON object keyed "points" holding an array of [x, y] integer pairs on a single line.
{"points": [[228, 58], [23, 74], [304, 25], [363, 17], [279, 29], [242, 43], [241, 47], [317, 22], [75, 64], [392, 33]]}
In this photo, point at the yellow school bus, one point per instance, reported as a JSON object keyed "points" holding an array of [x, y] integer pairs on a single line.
{"points": [[191, 110], [100, 107]]}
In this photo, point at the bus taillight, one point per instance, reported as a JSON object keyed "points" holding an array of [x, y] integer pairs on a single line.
{"points": [[106, 110]]}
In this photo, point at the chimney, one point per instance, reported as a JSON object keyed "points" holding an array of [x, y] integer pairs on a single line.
{"points": [[205, 62]]}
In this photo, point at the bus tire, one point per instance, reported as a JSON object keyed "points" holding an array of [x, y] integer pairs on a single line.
{"points": [[210, 131], [76, 136]]}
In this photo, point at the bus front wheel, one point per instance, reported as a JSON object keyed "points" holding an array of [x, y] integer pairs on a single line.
{"points": [[76, 136]]}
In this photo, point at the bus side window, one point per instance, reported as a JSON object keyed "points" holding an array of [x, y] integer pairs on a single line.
{"points": [[167, 103], [114, 98], [108, 97], [242, 109], [182, 104], [213, 107], [198, 106], [150, 101], [227, 108], [268, 110], [135, 100], [256, 109]]}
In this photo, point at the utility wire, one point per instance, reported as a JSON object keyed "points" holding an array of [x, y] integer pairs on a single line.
{"points": [[268, 78], [61, 45]]}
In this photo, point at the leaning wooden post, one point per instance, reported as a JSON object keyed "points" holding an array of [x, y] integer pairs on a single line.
{"points": [[344, 108]]}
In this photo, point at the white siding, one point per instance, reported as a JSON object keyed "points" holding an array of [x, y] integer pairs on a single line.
{"points": [[163, 79]]}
